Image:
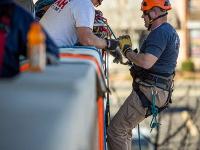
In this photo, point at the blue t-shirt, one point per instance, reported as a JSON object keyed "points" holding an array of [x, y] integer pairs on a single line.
{"points": [[163, 42]]}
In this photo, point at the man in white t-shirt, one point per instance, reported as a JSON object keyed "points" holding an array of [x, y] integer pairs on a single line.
{"points": [[71, 21]]}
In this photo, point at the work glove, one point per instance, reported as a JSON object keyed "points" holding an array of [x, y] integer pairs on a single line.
{"points": [[117, 56], [111, 44], [125, 44]]}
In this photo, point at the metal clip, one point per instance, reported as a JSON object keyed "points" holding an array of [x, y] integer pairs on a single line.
{"points": [[153, 90]]}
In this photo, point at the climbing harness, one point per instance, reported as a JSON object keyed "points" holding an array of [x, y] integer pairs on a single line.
{"points": [[150, 83]]}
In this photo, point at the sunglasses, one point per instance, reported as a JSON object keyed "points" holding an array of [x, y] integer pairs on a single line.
{"points": [[147, 12]]}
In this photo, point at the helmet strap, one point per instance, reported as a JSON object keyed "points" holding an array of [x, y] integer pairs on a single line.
{"points": [[152, 20]]}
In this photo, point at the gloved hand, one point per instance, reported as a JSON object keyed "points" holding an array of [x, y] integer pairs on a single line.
{"points": [[125, 44], [117, 56], [112, 44]]}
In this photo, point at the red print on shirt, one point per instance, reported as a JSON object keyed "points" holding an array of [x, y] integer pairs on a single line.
{"points": [[61, 3]]}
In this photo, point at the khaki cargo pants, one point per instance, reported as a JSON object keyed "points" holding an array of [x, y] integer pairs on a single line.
{"points": [[129, 116]]}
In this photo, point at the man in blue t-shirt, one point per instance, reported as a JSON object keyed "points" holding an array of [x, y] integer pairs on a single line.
{"points": [[152, 71], [17, 21]]}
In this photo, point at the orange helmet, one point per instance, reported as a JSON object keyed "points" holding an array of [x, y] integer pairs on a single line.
{"points": [[149, 4]]}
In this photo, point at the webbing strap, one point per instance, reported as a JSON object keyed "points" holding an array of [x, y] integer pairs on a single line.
{"points": [[143, 98], [152, 20]]}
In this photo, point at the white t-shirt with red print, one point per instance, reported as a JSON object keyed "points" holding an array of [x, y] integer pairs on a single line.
{"points": [[62, 18]]}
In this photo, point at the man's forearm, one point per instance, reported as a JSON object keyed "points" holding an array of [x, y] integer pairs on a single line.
{"points": [[86, 37], [133, 57], [140, 59], [98, 42]]}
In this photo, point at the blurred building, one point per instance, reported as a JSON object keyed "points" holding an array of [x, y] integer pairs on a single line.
{"points": [[194, 29], [124, 16]]}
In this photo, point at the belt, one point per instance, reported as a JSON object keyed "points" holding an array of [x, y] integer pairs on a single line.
{"points": [[157, 80]]}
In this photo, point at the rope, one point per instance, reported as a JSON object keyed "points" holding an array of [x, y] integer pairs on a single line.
{"points": [[111, 31], [108, 85], [139, 137], [154, 123], [107, 111]]}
